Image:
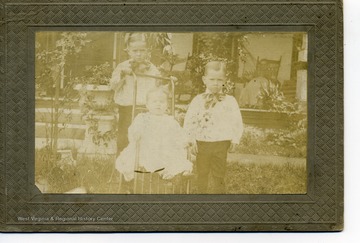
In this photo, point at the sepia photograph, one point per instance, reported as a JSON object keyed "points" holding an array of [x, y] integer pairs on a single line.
{"points": [[172, 116], [171, 112]]}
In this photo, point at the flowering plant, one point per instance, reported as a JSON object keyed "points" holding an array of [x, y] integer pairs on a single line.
{"points": [[97, 75]]}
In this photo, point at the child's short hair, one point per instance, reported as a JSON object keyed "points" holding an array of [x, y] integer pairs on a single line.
{"points": [[159, 91], [216, 66], [133, 37]]}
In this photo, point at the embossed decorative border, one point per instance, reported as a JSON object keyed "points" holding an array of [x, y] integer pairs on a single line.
{"points": [[320, 211]]}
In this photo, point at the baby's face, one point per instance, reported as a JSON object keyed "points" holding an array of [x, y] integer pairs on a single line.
{"points": [[138, 51], [214, 80], [157, 104]]}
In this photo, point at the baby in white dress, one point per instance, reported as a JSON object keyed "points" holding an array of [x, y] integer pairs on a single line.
{"points": [[160, 141]]}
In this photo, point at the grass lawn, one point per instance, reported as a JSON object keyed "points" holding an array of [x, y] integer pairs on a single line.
{"points": [[283, 176], [246, 174]]}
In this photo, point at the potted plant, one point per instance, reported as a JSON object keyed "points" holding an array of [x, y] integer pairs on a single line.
{"points": [[100, 135], [272, 109], [98, 110]]}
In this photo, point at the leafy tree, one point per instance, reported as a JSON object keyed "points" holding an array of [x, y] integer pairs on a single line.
{"points": [[50, 73]]}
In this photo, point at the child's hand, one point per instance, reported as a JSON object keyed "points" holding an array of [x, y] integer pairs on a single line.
{"points": [[232, 147], [173, 79], [187, 173], [126, 70], [118, 84], [194, 148]]}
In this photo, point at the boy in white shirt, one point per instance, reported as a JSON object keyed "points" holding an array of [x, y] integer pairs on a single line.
{"points": [[214, 125], [122, 82]]}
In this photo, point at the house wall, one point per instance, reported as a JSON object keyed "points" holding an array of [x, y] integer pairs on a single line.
{"points": [[269, 46], [182, 43]]}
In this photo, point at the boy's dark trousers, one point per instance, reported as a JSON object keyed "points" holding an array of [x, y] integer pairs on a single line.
{"points": [[211, 159]]}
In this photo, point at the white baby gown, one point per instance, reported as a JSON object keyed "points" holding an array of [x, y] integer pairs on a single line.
{"points": [[161, 147]]}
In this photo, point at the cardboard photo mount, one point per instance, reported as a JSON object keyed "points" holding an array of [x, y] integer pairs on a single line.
{"points": [[24, 209]]}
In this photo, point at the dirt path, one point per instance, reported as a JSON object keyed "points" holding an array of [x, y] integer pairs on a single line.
{"points": [[264, 159]]}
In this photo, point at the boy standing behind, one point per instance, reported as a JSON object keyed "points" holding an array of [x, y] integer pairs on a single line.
{"points": [[122, 82], [214, 125]]}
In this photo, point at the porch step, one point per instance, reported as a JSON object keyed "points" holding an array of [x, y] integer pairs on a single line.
{"points": [[46, 102], [71, 131], [289, 89], [72, 116], [63, 143]]}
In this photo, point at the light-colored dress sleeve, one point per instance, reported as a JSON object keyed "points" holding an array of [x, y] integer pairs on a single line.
{"points": [[136, 128], [125, 162], [179, 134], [190, 120], [176, 159]]}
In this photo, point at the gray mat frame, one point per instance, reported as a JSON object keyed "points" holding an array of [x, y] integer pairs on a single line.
{"points": [[321, 209]]}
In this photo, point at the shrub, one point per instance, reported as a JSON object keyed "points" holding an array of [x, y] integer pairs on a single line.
{"points": [[289, 142], [60, 177]]}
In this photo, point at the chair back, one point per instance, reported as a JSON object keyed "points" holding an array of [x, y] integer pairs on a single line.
{"points": [[267, 68]]}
